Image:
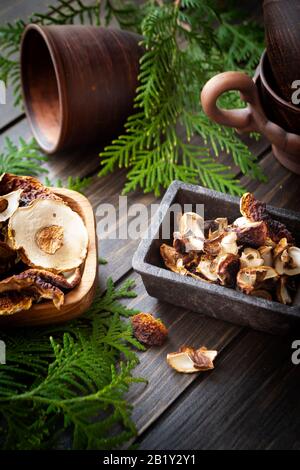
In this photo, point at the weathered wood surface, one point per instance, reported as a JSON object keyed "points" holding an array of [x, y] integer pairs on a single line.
{"points": [[251, 399]]}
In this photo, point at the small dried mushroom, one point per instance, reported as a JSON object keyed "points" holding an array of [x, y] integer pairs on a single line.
{"points": [[48, 235], [149, 330], [189, 360], [191, 233], [255, 254]]}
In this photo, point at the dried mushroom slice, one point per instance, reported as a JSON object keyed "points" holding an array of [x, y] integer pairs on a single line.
{"points": [[9, 203], [251, 258], [250, 279], [31, 282], [189, 360], [253, 234], [65, 281], [149, 330], [266, 255], [190, 236], [262, 294], [288, 261], [30, 188], [227, 269], [13, 303], [208, 268], [256, 211], [282, 291], [49, 235]]}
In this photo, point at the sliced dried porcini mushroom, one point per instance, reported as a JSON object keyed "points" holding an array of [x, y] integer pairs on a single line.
{"points": [[251, 258], [288, 261], [190, 236], [30, 281], [255, 211], [253, 234], [13, 303], [170, 257], [266, 255], [227, 269], [24, 231], [9, 203], [282, 292], [250, 279], [65, 281], [189, 360], [148, 330], [30, 188], [229, 243], [208, 268]]}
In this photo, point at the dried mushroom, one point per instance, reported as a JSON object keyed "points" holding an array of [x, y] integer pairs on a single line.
{"points": [[254, 254], [251, 258], [191, 233], [189, 360], [288, 261], [14, 302], [32, 283], [227, 269], [252, 234], [30, 188], [9, 203], [255, 211], [148, 330], [282, 291], [266, 254], [249, 279], [48, 235]]}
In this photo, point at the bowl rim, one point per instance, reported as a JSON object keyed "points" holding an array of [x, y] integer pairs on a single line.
{"points": [[270, 90], [143, 267]]}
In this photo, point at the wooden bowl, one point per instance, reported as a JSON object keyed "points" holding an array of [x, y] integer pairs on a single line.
{"points": [[79, 299], [78, 83], [282, 20]]}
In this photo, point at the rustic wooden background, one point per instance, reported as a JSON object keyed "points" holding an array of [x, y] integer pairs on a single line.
{"points": [[251, 399]]}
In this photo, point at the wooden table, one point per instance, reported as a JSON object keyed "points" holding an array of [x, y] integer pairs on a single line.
{"points": [[252, 398]]}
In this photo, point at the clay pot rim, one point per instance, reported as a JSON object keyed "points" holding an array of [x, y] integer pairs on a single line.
{"points": [[270, 90], [61, 86]]}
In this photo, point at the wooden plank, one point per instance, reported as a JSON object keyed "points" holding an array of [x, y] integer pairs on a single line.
{"points": [[250, 401]]}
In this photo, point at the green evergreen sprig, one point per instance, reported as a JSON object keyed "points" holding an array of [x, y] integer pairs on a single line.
{"points": [[71, 378], [22, 159], [186, 42]]}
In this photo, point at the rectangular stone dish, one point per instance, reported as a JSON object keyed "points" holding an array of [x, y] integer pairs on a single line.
{"points": [[210, 299]]}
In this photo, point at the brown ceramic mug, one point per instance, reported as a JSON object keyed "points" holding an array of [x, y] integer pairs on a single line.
{"points": [[78, 83], [265, 109]]}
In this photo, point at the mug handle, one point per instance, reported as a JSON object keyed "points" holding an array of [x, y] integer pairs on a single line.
{"points": [[241, 119]]}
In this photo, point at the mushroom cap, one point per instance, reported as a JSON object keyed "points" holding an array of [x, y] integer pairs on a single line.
{"points": [[251, 258], [250, 279], [48, 235]]}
